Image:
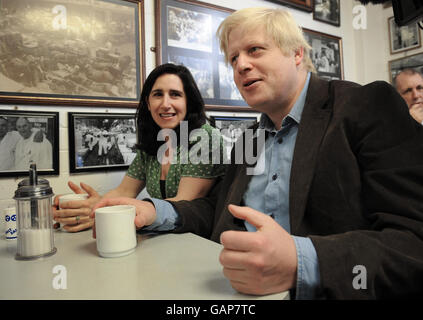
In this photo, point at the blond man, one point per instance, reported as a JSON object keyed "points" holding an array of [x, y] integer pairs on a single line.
{"points": [[337, 213]]}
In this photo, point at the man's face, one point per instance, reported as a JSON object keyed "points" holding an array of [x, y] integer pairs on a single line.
{"points": [[3, 128], [24, 128], [410, 88], [267, 79]]}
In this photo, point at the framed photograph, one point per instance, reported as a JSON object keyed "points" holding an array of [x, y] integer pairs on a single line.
{"points": [[101, 141], [71, 52], [414, 61], [232, 125], [403, 38], [327, 11], [304, 5], [186, 34], [29, 137], [326, 54]]}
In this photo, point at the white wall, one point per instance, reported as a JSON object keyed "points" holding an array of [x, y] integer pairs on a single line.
{"points": [[370, 44], [373, 46]]}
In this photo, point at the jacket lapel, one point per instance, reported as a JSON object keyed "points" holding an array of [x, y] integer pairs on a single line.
{"points": [[314, 121]]}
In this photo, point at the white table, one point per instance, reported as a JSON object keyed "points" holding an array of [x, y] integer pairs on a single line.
{"points": [[163, 267]]}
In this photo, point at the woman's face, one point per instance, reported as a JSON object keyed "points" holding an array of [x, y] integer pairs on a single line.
{"points": [[167, 101]]}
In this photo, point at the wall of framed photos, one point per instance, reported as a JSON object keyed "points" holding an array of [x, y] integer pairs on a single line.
{"points": [[382, 49], [351, 53]]}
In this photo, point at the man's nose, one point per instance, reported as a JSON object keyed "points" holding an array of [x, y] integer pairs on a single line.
{"points": [[416, 94], [243, 63]]}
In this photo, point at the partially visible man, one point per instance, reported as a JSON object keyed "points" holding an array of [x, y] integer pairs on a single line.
{"points": [[28, 151], [409, 84], [8, 141]]}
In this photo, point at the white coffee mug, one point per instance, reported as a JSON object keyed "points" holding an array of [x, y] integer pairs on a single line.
{"points": [[115, 230], [72, 197]]}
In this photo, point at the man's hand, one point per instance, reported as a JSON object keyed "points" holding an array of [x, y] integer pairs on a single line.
{"points": [[261, 262], [416, 112], [145, 212]]}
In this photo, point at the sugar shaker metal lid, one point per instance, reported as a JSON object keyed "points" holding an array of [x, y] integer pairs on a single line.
{"points": [[33, 187]]}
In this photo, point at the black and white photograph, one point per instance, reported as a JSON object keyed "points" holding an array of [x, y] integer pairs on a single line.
{"points": [[414, 61], [326, 54], [202, 71], [232, 126], [28, 137], [228, 89], [189, 29], [403, 38], [70, 51], [327, 11], [99, 141], [187, 35]]}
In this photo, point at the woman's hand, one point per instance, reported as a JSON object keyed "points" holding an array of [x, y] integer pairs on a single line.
{"points": [[75, 215], [144, 210]]}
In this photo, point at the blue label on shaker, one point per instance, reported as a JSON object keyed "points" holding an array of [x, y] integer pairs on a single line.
{"points": [[10, 218], [11, 233]]}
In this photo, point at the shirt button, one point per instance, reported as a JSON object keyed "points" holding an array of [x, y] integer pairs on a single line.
{"points": [[274, 177], [280, 140]]}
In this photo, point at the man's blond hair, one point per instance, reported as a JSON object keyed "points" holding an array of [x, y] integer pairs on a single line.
{"points": [[279, 25]]}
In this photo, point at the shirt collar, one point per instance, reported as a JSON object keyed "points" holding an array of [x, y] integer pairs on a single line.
{"points": [[293, 115]]}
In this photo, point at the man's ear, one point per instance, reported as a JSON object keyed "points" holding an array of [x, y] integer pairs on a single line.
{"points": [[299, 55]]}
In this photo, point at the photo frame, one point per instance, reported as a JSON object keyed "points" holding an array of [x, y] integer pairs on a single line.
{"points": [[26, 137], [101, 141], [72, 52], [304, 5], [186, 34], [328, 11], [403, 38], [414, 61], [326, 54], [232, 125]]}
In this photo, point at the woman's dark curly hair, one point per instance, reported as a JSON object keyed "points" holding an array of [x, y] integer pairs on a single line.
{"points": [[147, 128]]}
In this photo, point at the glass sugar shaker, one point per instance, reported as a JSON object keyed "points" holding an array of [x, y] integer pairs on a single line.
{"points": [[34, 217]]}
